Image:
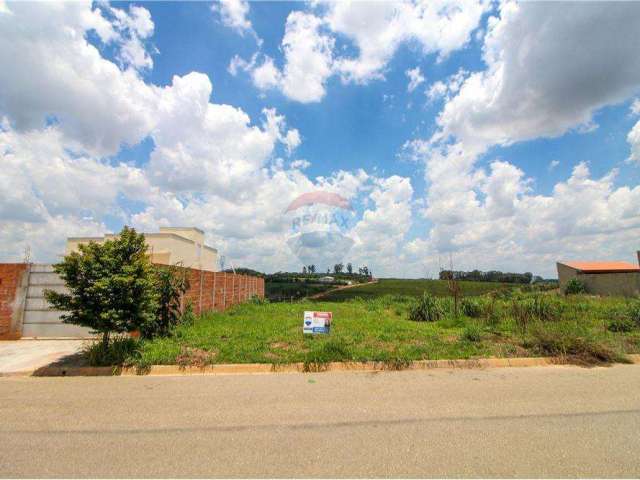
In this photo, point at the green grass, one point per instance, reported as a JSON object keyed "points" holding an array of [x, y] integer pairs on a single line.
{"points": [[378, 329], [414, 288]]}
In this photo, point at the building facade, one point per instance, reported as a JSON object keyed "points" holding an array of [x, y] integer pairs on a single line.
{"points": [[170, 246], [602, 278]]}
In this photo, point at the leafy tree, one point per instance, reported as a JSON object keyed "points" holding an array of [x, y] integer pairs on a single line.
{"points": [[304, 269], [111, 286], [349, 268], [338, 267]]}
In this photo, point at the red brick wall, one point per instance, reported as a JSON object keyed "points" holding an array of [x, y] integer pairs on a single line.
{"points": [[10, 279], [219, 290]]}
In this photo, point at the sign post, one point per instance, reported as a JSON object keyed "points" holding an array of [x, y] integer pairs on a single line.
{"points": [[317, 322]]}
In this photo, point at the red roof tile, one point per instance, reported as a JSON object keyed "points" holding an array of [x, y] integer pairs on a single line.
{"points": [[603, 267]]}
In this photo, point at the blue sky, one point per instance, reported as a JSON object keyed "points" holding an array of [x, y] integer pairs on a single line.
{"points": [[519, 144]]}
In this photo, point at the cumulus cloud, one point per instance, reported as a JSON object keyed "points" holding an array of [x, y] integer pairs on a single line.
{"points": [[56, 73], [492, 219], [376, 29], [488, 215], [307, 61], [211, 164], [507, 103], [379, 28]]}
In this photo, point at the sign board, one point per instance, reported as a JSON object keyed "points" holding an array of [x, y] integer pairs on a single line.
{"points": [[317, 322]]}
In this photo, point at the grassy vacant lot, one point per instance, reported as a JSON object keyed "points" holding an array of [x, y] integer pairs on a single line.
{"points": [[583, 329], [415, 288]]}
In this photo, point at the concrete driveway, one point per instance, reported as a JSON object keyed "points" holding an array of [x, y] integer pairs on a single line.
{"points": [[508, 422], [25, 355]]}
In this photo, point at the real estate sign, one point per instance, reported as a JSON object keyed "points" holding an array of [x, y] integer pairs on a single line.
{"points": [[317, 322]]}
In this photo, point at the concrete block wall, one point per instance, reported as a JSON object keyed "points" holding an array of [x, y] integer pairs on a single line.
{"points": [[12, 298]]}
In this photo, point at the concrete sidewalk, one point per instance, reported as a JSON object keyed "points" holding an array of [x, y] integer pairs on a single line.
{"points": [[25, 355]]}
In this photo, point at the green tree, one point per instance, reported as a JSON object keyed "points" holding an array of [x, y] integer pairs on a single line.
{"points": [[111, 286], [349, 268]]}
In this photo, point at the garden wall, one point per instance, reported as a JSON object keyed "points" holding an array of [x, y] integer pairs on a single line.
{"points": [[219, 290], [12, 276]]}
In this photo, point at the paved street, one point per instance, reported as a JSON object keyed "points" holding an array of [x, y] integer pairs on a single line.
{"points": [[527, 422]]}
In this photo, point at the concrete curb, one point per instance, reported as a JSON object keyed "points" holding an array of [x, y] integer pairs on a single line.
{"points": [[268, 368]]}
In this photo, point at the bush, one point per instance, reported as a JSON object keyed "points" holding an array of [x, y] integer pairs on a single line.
{"points": [[472, 333], [575, 287], [633, 312], [626, 319], [621, 324], [426, 309], [471, 308], [120, 350], [171, 284]]}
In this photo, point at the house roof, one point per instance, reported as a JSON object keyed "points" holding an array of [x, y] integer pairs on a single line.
{"points": [[603, 267]]}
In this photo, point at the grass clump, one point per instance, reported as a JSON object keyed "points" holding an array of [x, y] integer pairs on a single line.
{"points": [[121, 350], [538, 308], [471, 308], [427, 309], [472, 333], [573, 344]]}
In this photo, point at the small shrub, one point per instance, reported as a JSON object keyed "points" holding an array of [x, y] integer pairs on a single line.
{"points": [[427, 309], [471, 308], [472, 333], [621, 324], [171, 283], [633, 312], [119, 351], [575, 287], [256, 300]]}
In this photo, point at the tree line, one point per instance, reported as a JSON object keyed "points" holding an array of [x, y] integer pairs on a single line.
{"points": [[490, 276]]}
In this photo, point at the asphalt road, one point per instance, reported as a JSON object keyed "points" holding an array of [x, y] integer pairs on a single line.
{"points": [[526, 422]]}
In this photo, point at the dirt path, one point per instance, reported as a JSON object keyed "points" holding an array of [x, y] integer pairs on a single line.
{"points": [[344, 287]]}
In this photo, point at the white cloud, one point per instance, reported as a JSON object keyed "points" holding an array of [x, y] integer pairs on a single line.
{"points": [[307, 61], [383, 227], [266, 75], [447, 88], [415, 78], [507, 102], [490, 217], [233, 14], [377, 29], [211, 164], [60, 75], [633, 138], [553, 164]]}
